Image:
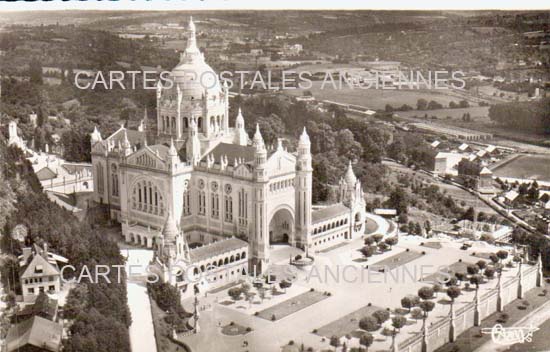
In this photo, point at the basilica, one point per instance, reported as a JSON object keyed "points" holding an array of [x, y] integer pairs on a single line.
{"points": [[229, 199]]}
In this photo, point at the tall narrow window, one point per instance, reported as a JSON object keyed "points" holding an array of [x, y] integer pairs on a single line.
{"points": [[114, 180], [202, 203], [186, 203], [228, 209]]}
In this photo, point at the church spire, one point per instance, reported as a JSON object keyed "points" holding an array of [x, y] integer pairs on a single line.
{"points": [[304, 137], [172, 151], [170, 230], [239, 122], [350, 175], [126, 144], [240, 136], [96, 136], [258, 140], [192, 41]]}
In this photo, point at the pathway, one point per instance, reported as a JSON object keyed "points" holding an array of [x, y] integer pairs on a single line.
{"points": [[142, 332]]}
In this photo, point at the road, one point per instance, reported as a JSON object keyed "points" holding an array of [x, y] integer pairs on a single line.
{"points": [[142, 332]]}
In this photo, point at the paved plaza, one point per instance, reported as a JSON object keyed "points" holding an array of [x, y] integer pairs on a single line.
{"points": [[352, 289]]}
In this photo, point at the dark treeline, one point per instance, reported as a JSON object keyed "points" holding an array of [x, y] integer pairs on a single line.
{"points": [[101, 323], [523, 116]]}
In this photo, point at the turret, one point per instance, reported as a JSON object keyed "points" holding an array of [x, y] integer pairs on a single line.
{"points": [[173, 158], [170, 229], [240, 138], [193, 145], [127, 147]]}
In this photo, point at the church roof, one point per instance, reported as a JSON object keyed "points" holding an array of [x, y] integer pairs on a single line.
{"points": [[328, 213], [134, 137], [74, 168], [38, 332], [214, 249], [232, 151], [161, 149]]}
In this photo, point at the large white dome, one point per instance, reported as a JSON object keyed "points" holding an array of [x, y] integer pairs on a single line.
{"points": [[192, 74]]}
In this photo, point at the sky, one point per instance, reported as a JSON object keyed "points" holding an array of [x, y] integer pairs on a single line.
{"points": [[164, 5]]}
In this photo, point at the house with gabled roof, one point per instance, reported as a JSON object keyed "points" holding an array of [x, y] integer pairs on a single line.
{"points": [[39, 272], [34, 335]]}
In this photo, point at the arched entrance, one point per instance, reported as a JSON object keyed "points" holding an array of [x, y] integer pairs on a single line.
{"points": [[281, 227]]}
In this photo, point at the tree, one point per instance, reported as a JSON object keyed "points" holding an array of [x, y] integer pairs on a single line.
{"points": [[427, 306], [391, 241], [76, 301], [398, 322], [464, 104], [468, 168], [502, 254], [489, 272], [235, 293], [407, 302], [460, 276], [398, 200], [426, 292], [334, 342], [469, 214], [481, 264], [472, 269], [285, 284], [366, 340], [369, 240], [378, 237], [421, 104], [381, 315], [476, 280], [382, 246], [369, 323], [453, 292]]}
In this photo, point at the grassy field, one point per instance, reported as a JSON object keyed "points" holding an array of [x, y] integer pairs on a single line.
{"points": [[396, 260], [346, 324], [526, 167], [374, 98]]}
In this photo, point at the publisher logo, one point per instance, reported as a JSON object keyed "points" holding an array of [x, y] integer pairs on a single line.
{"points": [[512, 335]]}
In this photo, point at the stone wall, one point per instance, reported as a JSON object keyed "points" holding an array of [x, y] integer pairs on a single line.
{"points": [[439, 333]]}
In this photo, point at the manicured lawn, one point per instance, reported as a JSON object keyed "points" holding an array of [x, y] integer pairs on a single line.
{"points": [[396, 260], [370, 227], [234, 330], [433, 245], [292, 305], [346, 324]]}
